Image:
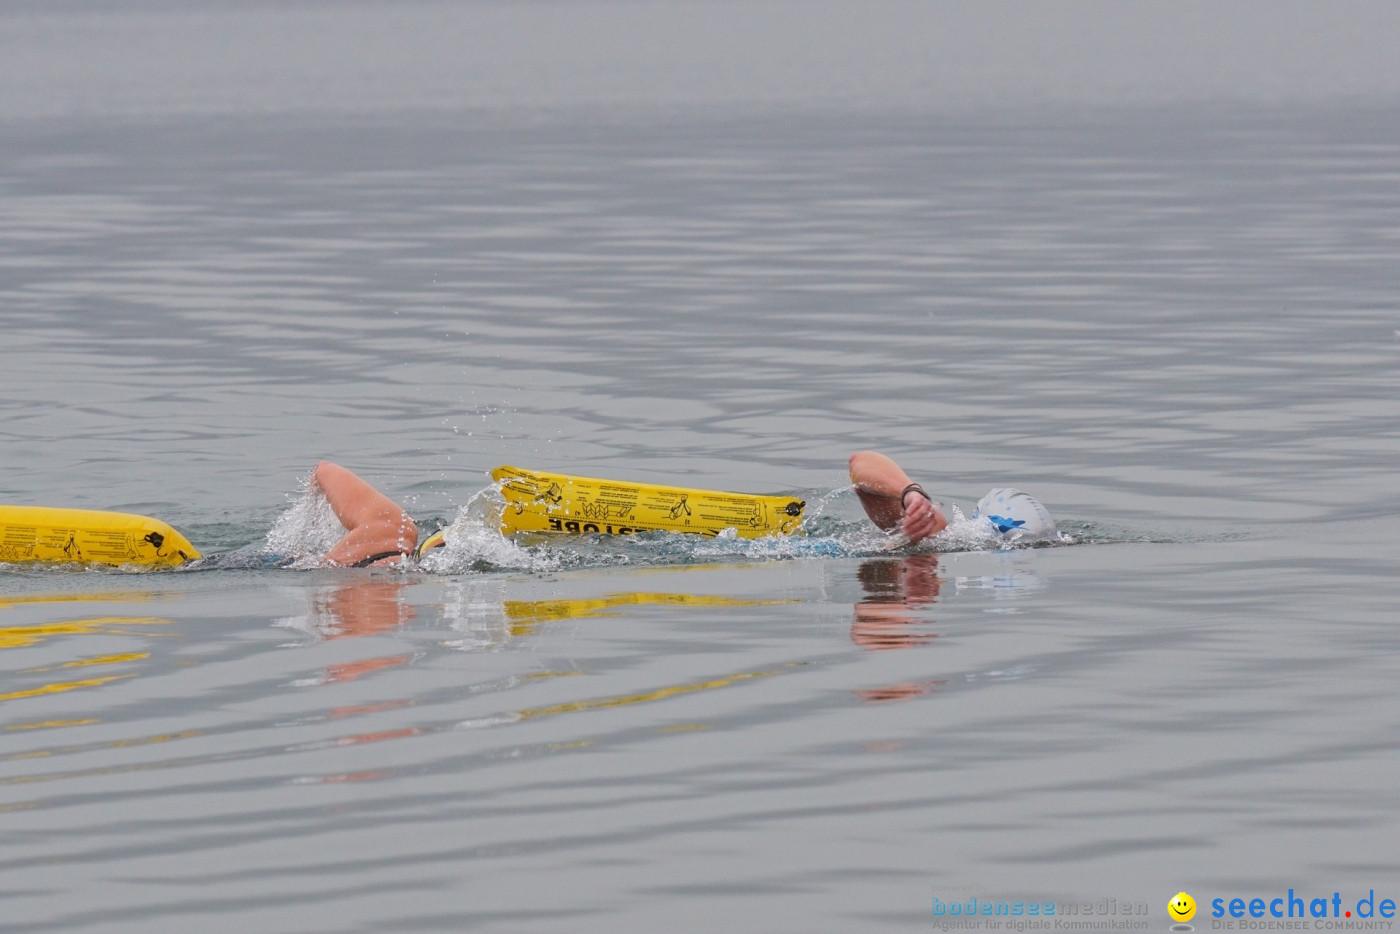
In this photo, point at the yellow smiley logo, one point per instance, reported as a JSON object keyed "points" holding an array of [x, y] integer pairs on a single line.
{"points": [[1182, 907]]}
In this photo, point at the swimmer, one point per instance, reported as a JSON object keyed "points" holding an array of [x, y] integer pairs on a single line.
{"points": [[892, 500], [899, 505], [380, 533]]}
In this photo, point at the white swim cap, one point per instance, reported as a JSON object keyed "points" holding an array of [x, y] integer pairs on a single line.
{"points": [[1017, 516]]}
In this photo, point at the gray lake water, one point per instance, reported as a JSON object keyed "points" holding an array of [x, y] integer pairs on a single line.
{"points": [[1179, 330]]}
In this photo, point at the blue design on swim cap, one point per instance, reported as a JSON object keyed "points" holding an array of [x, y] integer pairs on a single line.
{"points": [[1004, 524]]}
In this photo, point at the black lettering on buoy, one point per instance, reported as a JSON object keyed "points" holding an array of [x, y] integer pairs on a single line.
{"points": [[571, 526], [590, 527], [556, 525]]}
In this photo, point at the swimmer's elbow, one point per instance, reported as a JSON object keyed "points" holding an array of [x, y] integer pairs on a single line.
{"points": [[857, 464]]}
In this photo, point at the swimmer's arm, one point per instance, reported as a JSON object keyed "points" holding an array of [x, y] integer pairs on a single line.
{"points": [[885, 482], [374, 523]]}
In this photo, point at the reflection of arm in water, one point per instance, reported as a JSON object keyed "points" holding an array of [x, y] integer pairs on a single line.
{"points": [[888, 618], [895, 591], [378, 530], [891, 499]]}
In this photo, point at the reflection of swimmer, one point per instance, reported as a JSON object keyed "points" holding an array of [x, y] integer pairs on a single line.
{"points": [[905, 690], [364, 608], [895, 590], [361, 608], [379, 532], [356, 607]]}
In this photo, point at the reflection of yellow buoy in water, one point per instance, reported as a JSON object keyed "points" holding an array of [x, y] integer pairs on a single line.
{"points": [[23, 636], [46, 535], [524, 614], [93, 596], [17, 637], [479, 609], [545, 502]]}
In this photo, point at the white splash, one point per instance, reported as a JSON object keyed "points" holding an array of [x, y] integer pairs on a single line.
{"points": [[307, 530], [474, 542]]}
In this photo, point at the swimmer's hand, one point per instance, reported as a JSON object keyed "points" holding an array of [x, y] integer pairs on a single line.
{"points": [[879, 484], [921, 516]]}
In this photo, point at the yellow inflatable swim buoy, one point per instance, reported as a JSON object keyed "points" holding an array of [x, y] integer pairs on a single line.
{"points": [[41, 534], [548, 502]]}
